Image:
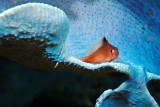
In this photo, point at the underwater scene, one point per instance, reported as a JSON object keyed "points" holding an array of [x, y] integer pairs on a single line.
{"points": [[79, 53]]}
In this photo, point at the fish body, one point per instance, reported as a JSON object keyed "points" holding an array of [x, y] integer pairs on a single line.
{"points": [[101, 52]]}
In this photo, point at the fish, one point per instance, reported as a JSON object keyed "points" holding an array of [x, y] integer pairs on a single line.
{"points": [[101, 51]]}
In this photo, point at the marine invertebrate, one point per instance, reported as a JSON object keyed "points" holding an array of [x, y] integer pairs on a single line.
{"points": [[43, 47], [37, 29]]}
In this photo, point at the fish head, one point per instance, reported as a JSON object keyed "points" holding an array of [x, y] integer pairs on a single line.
{"points": [[114, 53]]}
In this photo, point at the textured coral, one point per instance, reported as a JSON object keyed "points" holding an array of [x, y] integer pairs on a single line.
{"points": [[37, 40]]}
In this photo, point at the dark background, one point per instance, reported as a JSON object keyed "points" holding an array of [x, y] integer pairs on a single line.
{"points": [[21, 86]]}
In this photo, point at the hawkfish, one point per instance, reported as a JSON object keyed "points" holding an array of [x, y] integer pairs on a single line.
{"points": [[101, 51]]}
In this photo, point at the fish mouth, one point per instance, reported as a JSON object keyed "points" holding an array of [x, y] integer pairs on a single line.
{"points": [[114, 57]]}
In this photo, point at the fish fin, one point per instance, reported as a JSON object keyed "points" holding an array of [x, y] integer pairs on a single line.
{"points": [[82, 58], [86, 59], [119, 60], [79, 57], [94, 47]]}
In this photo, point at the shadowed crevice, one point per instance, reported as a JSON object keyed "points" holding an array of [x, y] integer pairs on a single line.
{"points": [[39, 88], [154, 89]]}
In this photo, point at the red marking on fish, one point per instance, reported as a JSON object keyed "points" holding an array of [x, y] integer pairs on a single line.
{"points": [[104, 52]]}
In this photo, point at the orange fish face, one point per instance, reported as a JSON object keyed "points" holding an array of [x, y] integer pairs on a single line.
{"points": [[101, 52], [114, 53]]}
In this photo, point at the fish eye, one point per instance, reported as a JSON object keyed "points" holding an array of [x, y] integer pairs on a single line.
{"points": [[113, 52]]}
